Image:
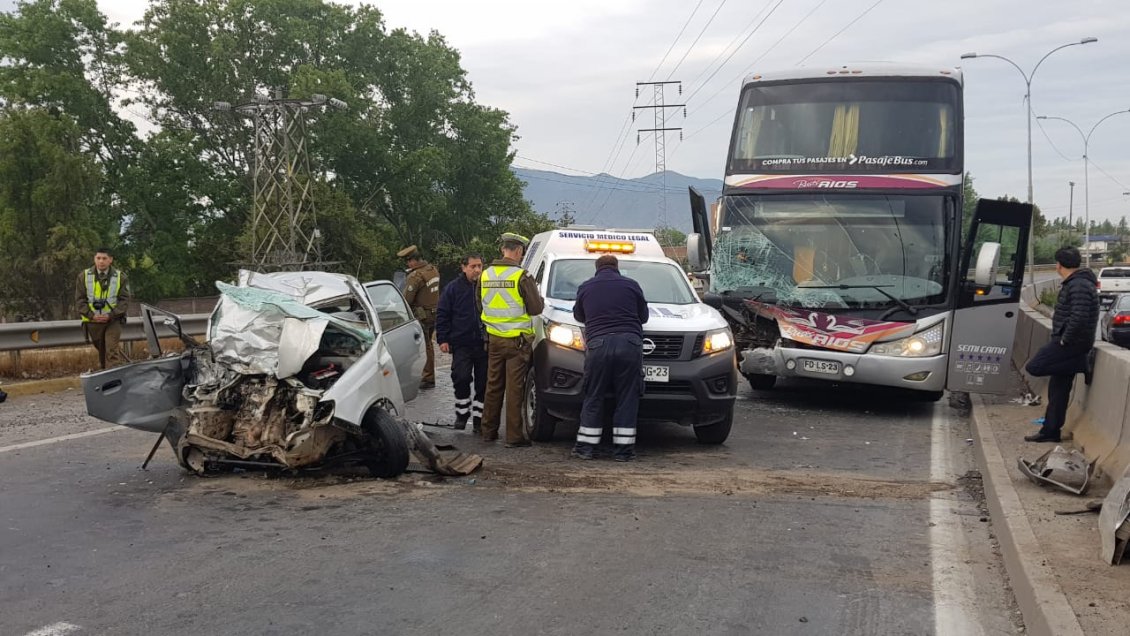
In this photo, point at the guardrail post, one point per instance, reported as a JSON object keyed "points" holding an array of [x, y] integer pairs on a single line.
{"points": [[17, 367]]}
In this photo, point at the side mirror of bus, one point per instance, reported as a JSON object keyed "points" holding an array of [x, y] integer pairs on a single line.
{"points": [[988, 259], [696, 252]]}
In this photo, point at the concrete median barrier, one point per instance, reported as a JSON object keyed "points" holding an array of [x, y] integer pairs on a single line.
{"points": [[1097, 417]]}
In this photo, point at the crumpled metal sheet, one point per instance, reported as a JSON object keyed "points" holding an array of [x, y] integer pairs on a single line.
{"points": [[250, 331], [759, 360], [305, 288], [1114, 521], [1059, 467]]}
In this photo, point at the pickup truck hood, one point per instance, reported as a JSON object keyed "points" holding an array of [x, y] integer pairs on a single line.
{"points": [[663, 318]]}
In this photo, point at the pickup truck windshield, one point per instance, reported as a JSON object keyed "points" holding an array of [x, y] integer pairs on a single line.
{"points": [[661, 282], [835, 250]]}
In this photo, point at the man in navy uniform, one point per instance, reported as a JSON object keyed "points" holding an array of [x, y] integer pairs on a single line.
{"points": [[460, 333], [613, 311]]}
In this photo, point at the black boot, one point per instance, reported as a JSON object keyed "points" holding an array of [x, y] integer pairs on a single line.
{"points": [[460, 422], [624, 452]]}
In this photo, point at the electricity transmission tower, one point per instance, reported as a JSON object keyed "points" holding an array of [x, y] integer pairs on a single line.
{"points": [[284, 234], [566, 215], [659, 108]]}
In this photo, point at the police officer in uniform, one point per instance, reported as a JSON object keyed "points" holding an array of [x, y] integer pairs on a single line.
{"points": [[102, 297], [421, 290], [509, 298]]}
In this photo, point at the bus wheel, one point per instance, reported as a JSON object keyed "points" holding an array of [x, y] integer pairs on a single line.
{"points": [[761, 381], [537, 420]]}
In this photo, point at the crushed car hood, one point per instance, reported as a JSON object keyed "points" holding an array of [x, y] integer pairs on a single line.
{"points": [[255, 330], [306, 288]]}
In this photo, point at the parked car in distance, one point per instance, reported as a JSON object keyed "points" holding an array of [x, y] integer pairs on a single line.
{"points": [[1112, 281], [1115, 324]]}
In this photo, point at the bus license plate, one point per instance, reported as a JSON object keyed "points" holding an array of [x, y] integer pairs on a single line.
{"points": [[653, 373], [827, 367]]}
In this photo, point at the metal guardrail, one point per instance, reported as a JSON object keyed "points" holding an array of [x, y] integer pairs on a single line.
{"points": [[18, 336]]}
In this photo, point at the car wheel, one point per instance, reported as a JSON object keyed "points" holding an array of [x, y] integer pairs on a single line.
{"points": [[388, 444], [716, 433], [538, 422], [761, 381]]}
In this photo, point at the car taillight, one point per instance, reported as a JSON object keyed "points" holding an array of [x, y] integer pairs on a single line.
{"points": [[1098, 284], [1122, 319]]}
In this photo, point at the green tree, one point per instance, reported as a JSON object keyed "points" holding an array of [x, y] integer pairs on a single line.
{"points": [[414, 159], [47, 188], [669, 236]]}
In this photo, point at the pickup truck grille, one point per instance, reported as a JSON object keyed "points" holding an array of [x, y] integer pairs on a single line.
{"points": [[667, 347]]}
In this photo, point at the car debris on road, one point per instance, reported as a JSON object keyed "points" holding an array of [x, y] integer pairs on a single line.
{"points": [[1061, 468]]}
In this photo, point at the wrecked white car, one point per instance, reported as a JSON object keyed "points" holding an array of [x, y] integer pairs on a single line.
{"points": [[300, 369]]}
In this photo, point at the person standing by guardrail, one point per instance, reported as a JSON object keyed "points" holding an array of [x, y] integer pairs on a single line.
{"points": [[101, 297], [1070, 350]]}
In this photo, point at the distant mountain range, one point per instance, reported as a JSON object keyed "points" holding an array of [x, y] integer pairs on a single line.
{"points": [[605, 200]]}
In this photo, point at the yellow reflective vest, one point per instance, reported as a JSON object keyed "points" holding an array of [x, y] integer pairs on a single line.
{"points": [[108, 295], [504, 311]]}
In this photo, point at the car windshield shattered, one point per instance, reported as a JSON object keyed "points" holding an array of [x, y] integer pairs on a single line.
{"points": [[296, 372], [833, 251]]}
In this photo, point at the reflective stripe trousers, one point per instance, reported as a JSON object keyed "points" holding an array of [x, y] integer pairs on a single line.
{"points": [[613, 369]]}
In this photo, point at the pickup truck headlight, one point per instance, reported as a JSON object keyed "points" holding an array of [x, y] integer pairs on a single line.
{"points": [[922, 344], [565, 335], [717, 340]]}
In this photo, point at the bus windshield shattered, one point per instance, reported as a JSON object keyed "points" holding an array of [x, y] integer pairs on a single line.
{"points": [[835, 251]]}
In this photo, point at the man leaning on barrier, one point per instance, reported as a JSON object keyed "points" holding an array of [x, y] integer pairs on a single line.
{"points": [[1070, 350], [101, 297]]}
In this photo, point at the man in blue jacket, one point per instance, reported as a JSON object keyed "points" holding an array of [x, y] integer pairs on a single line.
{"points": [[460, 333], [613, 310]]}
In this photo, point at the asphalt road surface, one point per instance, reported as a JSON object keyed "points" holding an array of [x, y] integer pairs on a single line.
{"points": [[829, 511]]}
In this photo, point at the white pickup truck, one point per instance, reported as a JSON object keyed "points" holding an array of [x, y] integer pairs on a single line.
{"points": [[1113, 281]]}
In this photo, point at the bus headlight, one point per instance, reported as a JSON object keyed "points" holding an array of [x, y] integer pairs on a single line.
{"points": [[717, 340], [565, 335], [922, 344]]}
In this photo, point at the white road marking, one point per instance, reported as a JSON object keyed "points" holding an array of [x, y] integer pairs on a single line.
{"points": [[54, 629], [61, 438], [954, 599]]}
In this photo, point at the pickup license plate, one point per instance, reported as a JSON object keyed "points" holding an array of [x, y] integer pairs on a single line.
{"points": [[827, 367], [652, 373]]}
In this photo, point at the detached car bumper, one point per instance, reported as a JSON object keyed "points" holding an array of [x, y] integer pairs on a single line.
{"points": [[699, 392]]}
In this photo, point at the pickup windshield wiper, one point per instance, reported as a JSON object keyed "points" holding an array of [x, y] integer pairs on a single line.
{"points": [[902, 304]]}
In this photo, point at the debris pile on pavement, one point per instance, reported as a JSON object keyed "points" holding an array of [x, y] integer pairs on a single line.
{"points": [[1061, 468]]}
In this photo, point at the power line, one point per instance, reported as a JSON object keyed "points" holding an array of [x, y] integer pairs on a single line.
{"points": [[555, 165], [691, 47], [838, 33], [731, 44], [1040, 125], [1108, 176], [675, 41], [727, 60], [614, 153], [764, 53]]}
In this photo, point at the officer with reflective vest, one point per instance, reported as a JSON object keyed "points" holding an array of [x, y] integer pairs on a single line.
{"points": [[421, 290], [509, 298], [102, 296]]}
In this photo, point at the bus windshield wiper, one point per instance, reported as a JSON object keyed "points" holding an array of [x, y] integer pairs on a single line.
{"points": [[902, 304]]}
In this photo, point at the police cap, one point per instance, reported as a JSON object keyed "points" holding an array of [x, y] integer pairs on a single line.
{"points": [[408, 252], [511, 237]]}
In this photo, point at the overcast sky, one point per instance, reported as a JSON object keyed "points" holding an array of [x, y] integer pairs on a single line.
{"points": [[566, 73]]}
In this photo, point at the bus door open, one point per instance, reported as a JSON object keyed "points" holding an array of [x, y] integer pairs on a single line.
{"points": [[988, 297]]}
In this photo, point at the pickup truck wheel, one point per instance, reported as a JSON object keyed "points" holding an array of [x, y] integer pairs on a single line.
{"points": [[538, 422], [761, 381], [715, 433], [388, 444]]}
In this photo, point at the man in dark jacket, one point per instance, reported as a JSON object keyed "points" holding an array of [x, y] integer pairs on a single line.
{"points": [[613, 310], [460, 333], [1073, 336]]}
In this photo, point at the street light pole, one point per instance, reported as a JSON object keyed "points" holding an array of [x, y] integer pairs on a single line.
{"points": [[1028, 100], [1086, 176]]}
